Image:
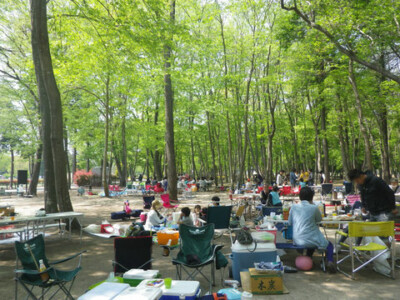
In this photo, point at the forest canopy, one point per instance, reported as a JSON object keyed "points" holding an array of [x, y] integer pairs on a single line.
{"points": [[257, 85]]}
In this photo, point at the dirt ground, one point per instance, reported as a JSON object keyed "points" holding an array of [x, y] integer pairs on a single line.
{"points": [[96, 263]]}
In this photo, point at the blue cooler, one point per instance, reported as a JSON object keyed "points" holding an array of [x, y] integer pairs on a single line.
{"points": [[244, 256]]}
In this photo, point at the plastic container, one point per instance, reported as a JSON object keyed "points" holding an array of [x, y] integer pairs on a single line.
{"points": [[164, 237], [263, 237], [140, 294], [247, 296], [135, 276], [243, 258], [105, 291], [273, 231], [180, 290]]}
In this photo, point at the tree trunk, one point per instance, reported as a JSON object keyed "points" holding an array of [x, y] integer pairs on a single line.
{"points": [[74, 153], [169, 113], [157, 155], [106, 131], [124, 163], [211, 139], [38, 8], [325, 147], [32, 190], [12, 168], [363, 129]]}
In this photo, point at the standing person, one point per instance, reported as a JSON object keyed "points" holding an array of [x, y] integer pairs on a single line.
{"points": [[321, 177], [140, 178], [394, 185], [165, 183], [310, 178], [376, 196], [280, 178], [293, 178], [304, 217]]}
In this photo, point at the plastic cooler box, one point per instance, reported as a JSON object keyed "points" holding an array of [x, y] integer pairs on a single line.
{"points": [[105, 291], [135, 276], [164, 236], [140, 294], [244, 256], [180, 290]]}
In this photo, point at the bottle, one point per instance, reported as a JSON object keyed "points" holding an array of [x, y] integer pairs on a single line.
{"points": [[44, 276], [112, 278], [169, 243], [321, 209], [286, 210]]}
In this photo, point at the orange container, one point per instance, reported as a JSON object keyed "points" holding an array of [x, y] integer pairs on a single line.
{"points": [[164, 237]]}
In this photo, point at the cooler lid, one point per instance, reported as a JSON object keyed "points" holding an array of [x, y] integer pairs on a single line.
{"points": [[140, 294], [140, 274], [260, 247], [105, 291], [182, 289]]}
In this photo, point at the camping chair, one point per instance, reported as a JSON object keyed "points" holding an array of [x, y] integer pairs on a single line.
{"points": [[147, 201], [196, 252], [220, 216], [326, 189], [29, 253], [366, 229], [132, 253], [167, 203]]}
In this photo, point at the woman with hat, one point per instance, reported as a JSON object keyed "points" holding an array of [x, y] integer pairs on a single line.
{"points": [[154, 218]]}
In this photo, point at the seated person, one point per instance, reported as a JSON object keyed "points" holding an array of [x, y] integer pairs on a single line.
{"points": [[264, 195], [158, 188], [249, 185], [185, 217], [154, 218], [302, 183], [197, 215], [273, 198], [215, 201], [304, 218], [127, 208]]}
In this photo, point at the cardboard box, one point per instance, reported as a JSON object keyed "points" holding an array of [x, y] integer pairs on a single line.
{"points": [[266, 282]]}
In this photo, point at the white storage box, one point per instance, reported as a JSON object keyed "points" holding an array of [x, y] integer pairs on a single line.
{"points": [[140, 274], [140, 294], [105, 291]]}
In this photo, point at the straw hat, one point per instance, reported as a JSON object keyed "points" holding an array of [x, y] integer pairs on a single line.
{"points": [[156, 204]]}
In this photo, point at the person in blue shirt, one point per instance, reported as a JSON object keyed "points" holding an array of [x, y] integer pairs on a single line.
{"points": [[274, 197], [304, 217], [293, 178], [302, 183]]}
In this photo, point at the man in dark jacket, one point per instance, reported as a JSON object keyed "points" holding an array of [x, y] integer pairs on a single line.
{"points": [[376, 195]]}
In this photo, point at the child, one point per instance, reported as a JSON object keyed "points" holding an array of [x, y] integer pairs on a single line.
{"points": [[197, 215], [185, 217], [304, 217], [273, 197], [215, 201], [302, 183]]}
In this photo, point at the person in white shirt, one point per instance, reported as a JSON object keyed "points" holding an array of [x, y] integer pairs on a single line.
{"points": [[279, 178], [249, 185], [154, 218]]}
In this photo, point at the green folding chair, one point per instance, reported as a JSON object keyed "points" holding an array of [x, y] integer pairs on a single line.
{"points": [[196, 252], [29, 253]]}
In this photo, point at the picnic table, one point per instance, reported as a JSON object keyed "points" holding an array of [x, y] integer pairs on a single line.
{"points": [[31, 224]]}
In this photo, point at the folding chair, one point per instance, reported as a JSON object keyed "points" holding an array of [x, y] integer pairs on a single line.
{"points": [[326, 189], [220, 216], [147, 201], [196, 252], [167, 203], [132, 253], [29, 253], [364, 253]]}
